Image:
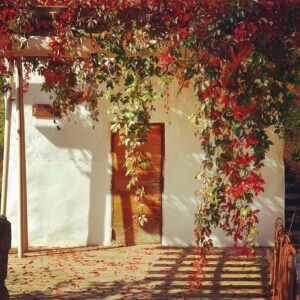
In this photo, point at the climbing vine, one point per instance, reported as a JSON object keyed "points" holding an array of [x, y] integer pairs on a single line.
{"points": [[242, 58]]}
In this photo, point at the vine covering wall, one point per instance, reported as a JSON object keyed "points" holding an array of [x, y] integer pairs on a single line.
{"points": [[242, 59]]}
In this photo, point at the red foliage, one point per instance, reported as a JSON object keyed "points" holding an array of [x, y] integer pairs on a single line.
{"points": [[245, 53], [166, 59]]}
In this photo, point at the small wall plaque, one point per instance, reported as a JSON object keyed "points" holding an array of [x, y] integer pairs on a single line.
{"points": [[44, 111]]}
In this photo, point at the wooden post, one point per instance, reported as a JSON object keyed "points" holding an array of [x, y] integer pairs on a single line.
{"points": [[5, 226], [7, 129], [23, 232]]}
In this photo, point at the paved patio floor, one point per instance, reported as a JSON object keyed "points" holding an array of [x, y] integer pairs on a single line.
{"points": [[137, 272]]}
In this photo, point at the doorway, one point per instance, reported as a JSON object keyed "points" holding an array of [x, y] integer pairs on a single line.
{"points": [[125, 228]]}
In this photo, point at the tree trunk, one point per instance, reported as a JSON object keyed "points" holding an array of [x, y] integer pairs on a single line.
{"points": [[5, 244]]}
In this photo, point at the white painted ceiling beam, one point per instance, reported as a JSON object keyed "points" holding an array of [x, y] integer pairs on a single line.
{"points": [[38, 46]]}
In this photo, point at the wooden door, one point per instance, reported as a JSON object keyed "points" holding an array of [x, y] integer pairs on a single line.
{"points": [[125, 229]]}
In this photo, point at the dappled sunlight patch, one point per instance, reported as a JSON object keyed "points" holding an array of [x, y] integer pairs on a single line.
{"points": [[162, 273]]}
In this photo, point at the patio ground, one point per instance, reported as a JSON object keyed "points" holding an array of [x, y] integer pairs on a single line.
{"points": [[137, 272]]}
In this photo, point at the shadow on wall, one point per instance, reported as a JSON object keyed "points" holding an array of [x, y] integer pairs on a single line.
{"points": [[92, 163], [85, 148]]}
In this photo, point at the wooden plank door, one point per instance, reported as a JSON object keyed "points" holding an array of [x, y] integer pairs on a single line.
{"points": [[125, 229]]}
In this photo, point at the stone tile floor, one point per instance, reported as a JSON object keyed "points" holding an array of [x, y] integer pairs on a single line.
{"points": [[136, 272]]}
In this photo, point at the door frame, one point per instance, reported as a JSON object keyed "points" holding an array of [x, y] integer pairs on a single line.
{"points": [[162, 124]]}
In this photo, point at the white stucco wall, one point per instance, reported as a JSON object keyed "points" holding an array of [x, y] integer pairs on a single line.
{"points": [[69, 176]]}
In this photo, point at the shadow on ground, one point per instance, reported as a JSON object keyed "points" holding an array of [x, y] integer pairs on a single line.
{"points": [[137, 273]]}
